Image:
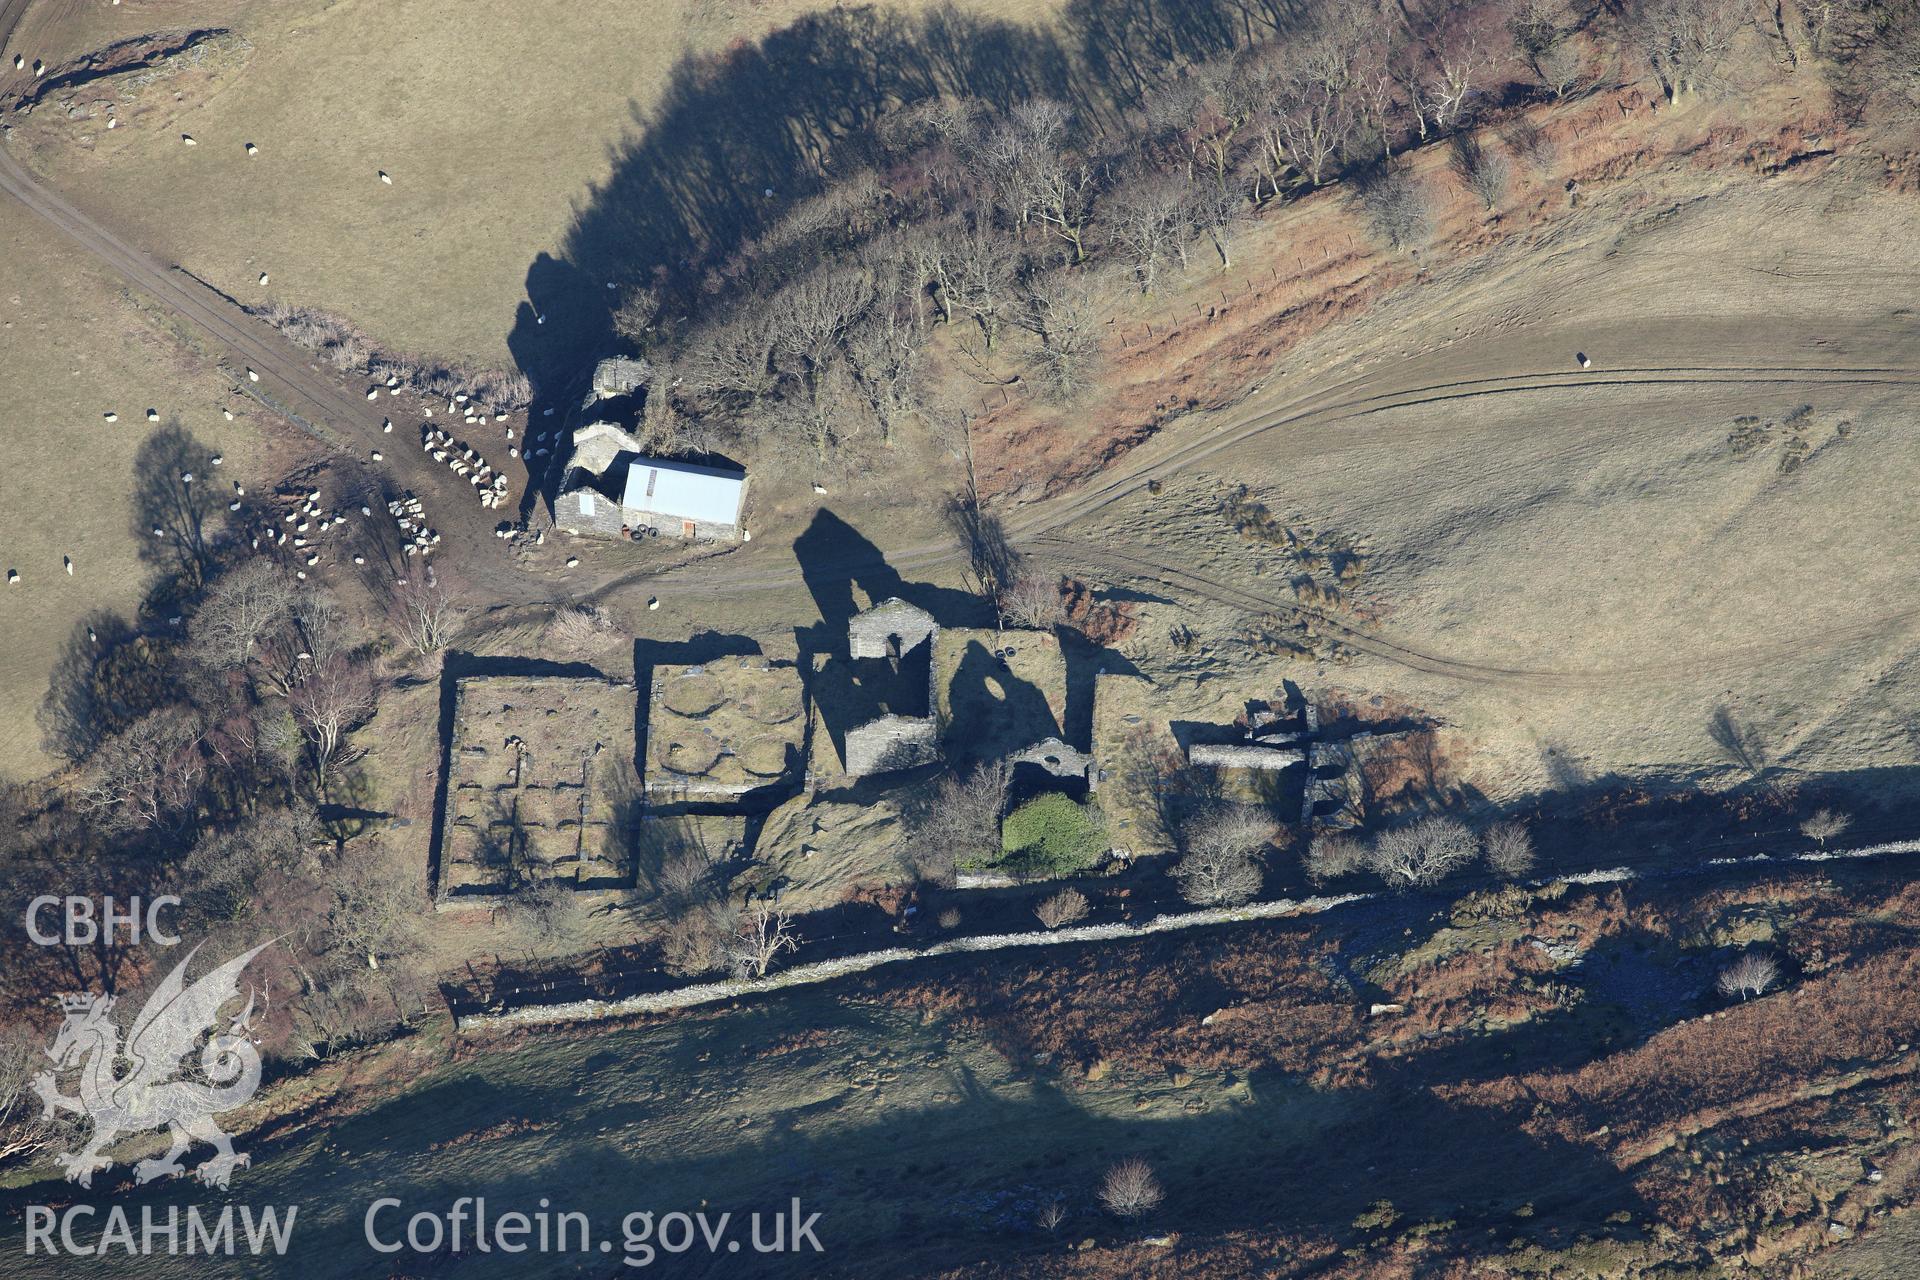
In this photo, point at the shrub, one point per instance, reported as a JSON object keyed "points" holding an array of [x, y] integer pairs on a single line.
{"points": [[1750, 975], [1329, 857], [1130, 1189], [1219, 869], [1062, 908], [1396, 208], [1424, 853], [1824, 825], [1051, 835], [1509, 850]]}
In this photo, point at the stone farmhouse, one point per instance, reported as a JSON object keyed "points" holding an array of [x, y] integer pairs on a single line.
{"points": [[613, 490]]}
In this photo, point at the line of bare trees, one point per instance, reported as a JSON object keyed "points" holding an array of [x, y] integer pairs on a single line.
{"points": [[1009, 223]]}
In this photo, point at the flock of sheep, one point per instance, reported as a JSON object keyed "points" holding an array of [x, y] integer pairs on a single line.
{"points": [[466, 463]]}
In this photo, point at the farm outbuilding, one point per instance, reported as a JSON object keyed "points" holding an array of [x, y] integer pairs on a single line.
{"points": [[612, 488]]}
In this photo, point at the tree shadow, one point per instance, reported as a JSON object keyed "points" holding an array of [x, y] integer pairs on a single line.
{"points": [[104, 679], [739, 136], [174, 507], [1740, 742]]}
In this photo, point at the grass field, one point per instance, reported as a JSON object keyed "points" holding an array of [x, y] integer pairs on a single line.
{"points": [[493, 128], [74, 347]]}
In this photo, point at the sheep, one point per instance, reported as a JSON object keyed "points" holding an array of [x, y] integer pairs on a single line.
{"points": [[13, 577], [113, 122], [111, 417], [378, 456], [301, 574], [359, 559], [373, 393], [93, 637], [187, 139], [153, 415], [67, 563], [239, 488], [219, 458], [386, 426], [252, 150], [263, 277], [233, 506], [573, 562], [384, 178], [228, 413], [653, 602], [186, 477], [158, 532], [366, 511], [252, 376]]}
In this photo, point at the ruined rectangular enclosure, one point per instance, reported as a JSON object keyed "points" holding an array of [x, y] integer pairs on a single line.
{"points": [[725, 732], [540, 784]]}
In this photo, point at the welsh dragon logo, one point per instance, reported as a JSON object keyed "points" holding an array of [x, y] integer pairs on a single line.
{"points": [[148, 1095]]}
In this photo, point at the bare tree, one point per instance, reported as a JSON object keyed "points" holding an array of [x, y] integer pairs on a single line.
{"points": [[1396, 207], [1331, 856], [242, 611], [1684, 40], [808, 320], [762, 935], [1310, 120], [1484, 172], [731, 359], [885, 353], [1219, 868], [333, 697], [961, 821], [1509, 850], [983, 276], [424, 612], [1033, 599], [1544, 32], [1423, 853], [1824, 824], [26, 1125], [146, 774], [1063, 317], [1150, 219], [376, 904], [1051, 1216], [1130, 1189], [694, 940], [1750, 975], [1040, 177], [1062, 908]]}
